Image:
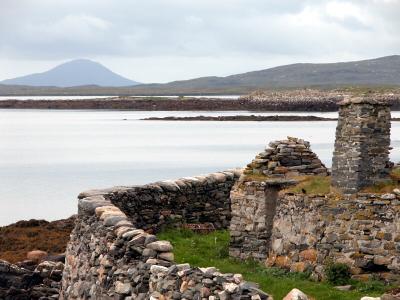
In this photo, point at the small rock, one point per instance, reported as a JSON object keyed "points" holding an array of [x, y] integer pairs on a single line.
{"points": [[123, 288], [36, 255], [238, 278], [344, 287], [296, 294], [162, 246], [370, 298], [208, 271], [230, 287], [388, 196], [157, 269], [168, 256], [223, 295], [130, 234]]}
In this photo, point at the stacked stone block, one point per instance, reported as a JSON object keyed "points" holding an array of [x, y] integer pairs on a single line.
{"points": [[361, 155], [287, 158]]}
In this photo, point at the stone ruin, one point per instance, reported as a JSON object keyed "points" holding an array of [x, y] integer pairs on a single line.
{"points": [[285, 159], [302, 232], [114, 254], [254, 200], [361, 155]]}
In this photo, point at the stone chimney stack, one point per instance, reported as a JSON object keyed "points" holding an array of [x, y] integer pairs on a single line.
{"points": [[361, 155]]}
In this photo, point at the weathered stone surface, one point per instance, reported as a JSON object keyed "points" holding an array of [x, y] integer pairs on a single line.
{"points": [[316, 229], [361, 155]]}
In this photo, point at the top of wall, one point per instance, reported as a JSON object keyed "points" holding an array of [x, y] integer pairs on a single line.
{"points": [[364, 100]]}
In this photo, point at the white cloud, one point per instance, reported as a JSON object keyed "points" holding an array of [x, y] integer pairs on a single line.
{"points": [[162, 40]]}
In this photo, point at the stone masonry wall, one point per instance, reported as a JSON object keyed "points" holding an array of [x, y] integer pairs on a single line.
{"points": [[110, 256], [200, 199], [362, 231], [253, 209], [361, 155]]}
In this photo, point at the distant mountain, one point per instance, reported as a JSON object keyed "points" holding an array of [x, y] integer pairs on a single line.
{"points": [[79, 72], [380, 71]]}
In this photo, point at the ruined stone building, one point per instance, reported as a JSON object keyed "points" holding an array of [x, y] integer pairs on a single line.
{"points": [[113, 251]]}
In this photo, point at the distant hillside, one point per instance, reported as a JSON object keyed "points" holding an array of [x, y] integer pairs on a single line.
{"points": [[383, 71], [78, 72], [380, 71]]}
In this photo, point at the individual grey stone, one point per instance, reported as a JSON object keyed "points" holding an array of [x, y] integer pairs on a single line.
{"points": [[123, 287], [161, 246]]}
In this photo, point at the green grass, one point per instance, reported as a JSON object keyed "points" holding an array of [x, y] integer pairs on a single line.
{"points": [[312, 185], [212, 250]]}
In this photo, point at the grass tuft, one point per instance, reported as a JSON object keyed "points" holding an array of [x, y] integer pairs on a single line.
{"points": [[312, 185]]}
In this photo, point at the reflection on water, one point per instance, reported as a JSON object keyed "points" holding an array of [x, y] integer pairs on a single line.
{"points": [[48, 157]]}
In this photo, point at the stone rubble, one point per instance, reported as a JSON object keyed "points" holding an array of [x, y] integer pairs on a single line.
{"points": [[17, 283]]}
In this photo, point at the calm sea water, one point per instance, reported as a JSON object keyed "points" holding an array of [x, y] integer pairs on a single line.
{"points": [[47, 157]]}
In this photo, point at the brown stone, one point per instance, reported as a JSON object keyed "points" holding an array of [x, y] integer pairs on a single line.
{"points": [[36, 255], [282, 262], [299, 267], [309, 255]]}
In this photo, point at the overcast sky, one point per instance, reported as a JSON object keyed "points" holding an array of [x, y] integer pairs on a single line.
{"points": [[165, 40]]}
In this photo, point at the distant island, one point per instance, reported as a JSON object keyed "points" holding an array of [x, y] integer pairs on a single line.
{"points": [[381, 72]]}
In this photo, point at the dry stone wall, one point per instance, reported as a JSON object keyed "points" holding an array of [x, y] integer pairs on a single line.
{"points": [[286, 158], [200, 199], [362, 231], [361, 156], [111, 256]]}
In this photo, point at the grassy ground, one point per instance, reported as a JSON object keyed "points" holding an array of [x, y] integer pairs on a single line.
{"points": [[312, 185], [212, 250]]}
